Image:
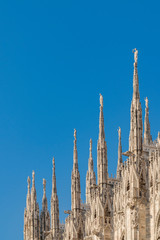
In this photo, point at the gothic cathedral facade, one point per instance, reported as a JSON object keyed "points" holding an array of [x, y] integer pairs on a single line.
{"points": [[126, 207]]}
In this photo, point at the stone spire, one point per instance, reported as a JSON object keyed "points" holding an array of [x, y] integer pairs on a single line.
{"points": [[44, 199], [54, 207], [135, 139], [27, 213], [119, 166], [147, 132], [90, 177], [75, 155], [28, 203], [44, 217], [75, 181], [33, 191], [35, 223], [102, 163]]}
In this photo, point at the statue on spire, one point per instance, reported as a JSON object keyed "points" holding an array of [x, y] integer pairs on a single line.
{"points": [[44, 185], [90, 145], [33, 175], [146, 101], [101, 100], [75, 134], [135, 51], [33, 178], [29, 182], [53, 162], [119, 132]]}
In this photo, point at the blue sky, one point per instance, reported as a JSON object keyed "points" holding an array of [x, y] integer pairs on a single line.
{"points": [[55, 59]]}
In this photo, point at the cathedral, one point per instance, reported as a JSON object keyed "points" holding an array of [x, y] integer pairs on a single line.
{"points": [[126, 207]]}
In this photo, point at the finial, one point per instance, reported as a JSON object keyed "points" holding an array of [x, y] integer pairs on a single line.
{"points": [[119, 132], [101, 100], [53, 161], [28, 181], [90, 149], [146, 101], [44, 185], [135, 51], [90, 145], [75, 134], [33, 175]]}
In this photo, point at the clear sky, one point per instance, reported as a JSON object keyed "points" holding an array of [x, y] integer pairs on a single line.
{"points": [[55, 59]]}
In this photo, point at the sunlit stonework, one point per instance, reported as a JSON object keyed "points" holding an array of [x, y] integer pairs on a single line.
{"points": [[123, 208]]}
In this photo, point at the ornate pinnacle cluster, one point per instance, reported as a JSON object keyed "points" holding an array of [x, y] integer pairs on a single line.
{"points": [[107, 200], [37, 226], [31, 215]]}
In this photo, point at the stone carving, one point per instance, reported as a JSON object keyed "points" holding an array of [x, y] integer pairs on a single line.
{"points": [[146, 101], [134, 218], [135, 51], [101, 100]]}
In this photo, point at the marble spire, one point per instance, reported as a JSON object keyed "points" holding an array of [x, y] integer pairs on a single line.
{"points": [[44, 199], [102, 162], [33, 191], [119, 165], [147, 132], [27, 213], [75, 181], [90, 177], [44, 216], [136, 128], [54, 206], [35, 221], [75, 155], [28, 203]]}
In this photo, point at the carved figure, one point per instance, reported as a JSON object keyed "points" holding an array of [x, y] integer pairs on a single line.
{"points": [[135, 51]]}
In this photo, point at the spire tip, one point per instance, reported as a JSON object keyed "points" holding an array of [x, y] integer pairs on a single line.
{"points": [[33, 175], [75, 134], [53, 161], [90, 143], [28, 180], [101, 100], [44, 184], [119, 132], [135, 51], [146, 102]]}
